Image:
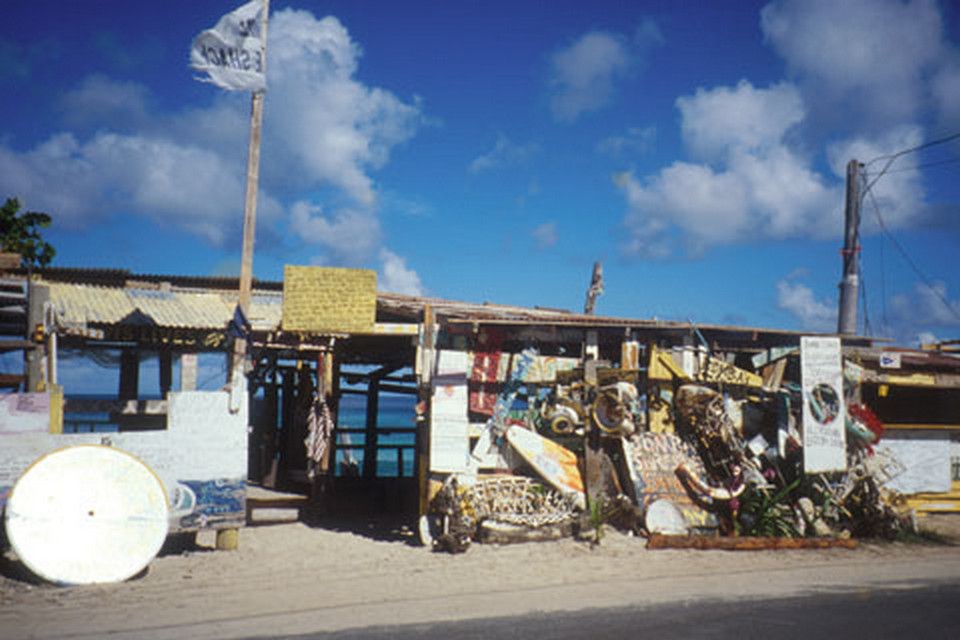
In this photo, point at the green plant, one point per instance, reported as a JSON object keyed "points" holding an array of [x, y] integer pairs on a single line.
{"points": [[766, 514], [20, 233], [598, 517]]}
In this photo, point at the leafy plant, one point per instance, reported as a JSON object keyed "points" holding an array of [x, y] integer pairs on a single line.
{"points": [[766, 514], [20, 233], [598, 517]]}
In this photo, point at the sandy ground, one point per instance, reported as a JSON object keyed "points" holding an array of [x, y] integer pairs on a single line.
{"points": [[292, 579]]}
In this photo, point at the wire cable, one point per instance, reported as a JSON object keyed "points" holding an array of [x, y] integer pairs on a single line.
{"points": [[926, 165], [926, 281], [891, 158]]}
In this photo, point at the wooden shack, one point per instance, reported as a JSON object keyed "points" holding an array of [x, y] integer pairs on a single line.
{"points": [[361, 400]]}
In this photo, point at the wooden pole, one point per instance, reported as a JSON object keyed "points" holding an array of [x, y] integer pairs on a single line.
{"points": [[250, 202], [250, 206], [253, 174]]}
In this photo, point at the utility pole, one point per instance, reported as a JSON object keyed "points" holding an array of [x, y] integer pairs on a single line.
{"points": [[850, 285]]}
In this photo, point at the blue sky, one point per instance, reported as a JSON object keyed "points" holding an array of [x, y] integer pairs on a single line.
{"points": [[492, 151]]}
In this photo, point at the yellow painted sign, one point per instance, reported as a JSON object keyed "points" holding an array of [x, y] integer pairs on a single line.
{"points": [[329, 300]]}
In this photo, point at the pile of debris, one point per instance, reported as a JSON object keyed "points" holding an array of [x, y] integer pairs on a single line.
{"points": [[712, 451]]}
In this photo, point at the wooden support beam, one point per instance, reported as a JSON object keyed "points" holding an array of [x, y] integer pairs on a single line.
{"points": [[129, 374], [37, 296], [370, 436], [723, 543], [166, 372]]}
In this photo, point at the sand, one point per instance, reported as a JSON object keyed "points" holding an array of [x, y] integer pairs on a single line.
{"points": [[290, 579]]}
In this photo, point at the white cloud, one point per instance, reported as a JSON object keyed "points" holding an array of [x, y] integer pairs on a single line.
{"points": [[185, 186], [396, 277], [754, 186], [926, 307], [755, 183], [584, 74], [324, 131], [946, 93], [505, 153], [812, 314], [742, 118], [545, 235], [101, 99], [922, 314], [634, 140], [898, 194], [873, 56], [926, 337], [322, 123], [348, 235]]}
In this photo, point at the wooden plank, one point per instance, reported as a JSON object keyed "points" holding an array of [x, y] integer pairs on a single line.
{"points": [[17, 345], [917, 426], [708, 543], [10, 380]]}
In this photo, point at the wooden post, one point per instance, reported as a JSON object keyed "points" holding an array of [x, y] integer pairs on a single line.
{"points": [[37, 297], [228, 539], [267, 430], [370, 437], [253, 175], [166, 372], [250, 207], [129, 374], [422, 464]]}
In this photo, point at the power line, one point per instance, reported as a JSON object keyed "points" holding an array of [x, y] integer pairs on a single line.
{"points": [[909, 261], [891, 158], [867, 327], [926, 165]]}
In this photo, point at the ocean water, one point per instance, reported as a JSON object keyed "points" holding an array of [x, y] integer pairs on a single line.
{"points": [[394, 412]]}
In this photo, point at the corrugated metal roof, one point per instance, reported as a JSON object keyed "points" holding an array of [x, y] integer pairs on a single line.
{"points": [[182, 302], [81, 305]]}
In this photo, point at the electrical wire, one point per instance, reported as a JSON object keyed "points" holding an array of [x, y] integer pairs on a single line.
{"points": [[923, 278], [891, 158], [867, 327], [883, 288], [926, 165]]}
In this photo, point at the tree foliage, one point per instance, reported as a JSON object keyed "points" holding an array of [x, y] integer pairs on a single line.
{"points": [[20, 233]]}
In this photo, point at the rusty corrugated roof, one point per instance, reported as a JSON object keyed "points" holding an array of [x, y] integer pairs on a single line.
{"points": [[81, 305]]}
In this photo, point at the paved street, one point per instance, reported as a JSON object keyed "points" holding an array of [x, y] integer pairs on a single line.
{"points": [[928, 611]]}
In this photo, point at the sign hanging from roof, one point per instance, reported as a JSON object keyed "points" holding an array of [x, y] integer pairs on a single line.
{"points": [[329, 300], [233, 53]]}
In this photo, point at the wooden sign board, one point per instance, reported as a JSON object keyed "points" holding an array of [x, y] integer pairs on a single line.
{"points": [[329, 300]]}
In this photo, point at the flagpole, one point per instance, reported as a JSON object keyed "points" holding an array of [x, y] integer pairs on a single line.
{"points": [[250, 210], [253, 173]]}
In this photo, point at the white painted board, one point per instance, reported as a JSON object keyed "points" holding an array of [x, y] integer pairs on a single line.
{"points": [[824, 411], [926, 458], [449, 425]]}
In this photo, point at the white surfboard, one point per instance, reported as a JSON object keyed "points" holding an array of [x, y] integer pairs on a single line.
{"points": [[87, 514]]}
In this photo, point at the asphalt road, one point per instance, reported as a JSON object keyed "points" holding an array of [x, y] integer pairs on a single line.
{"points": [[913, 611]]}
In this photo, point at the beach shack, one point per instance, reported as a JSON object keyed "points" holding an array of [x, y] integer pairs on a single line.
{"points": [[371, 402]]}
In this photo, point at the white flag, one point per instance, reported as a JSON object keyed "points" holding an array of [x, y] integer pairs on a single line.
{"points": [[232, 53]]}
